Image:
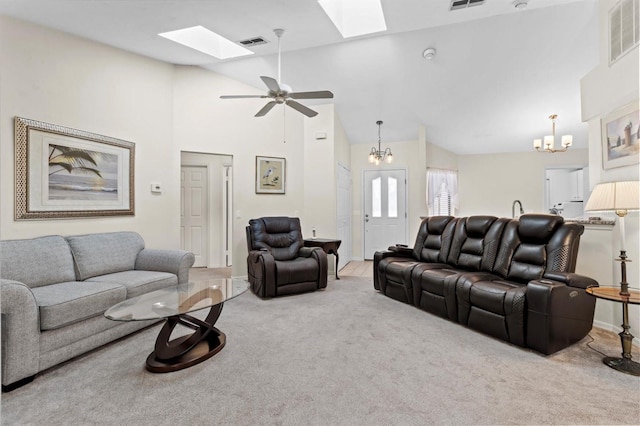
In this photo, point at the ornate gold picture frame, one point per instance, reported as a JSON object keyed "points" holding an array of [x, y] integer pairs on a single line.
{"points": [[67, 173]]}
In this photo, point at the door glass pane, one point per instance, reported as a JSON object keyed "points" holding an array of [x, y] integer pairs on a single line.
{"points": [[376, 197], [393, 196]]}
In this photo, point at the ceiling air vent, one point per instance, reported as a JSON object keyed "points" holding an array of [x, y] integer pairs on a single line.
{"points": [[253, 41], [623, 29], [461, 4]]}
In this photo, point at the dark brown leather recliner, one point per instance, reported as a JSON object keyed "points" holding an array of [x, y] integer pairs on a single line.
{"points": [[278, 263]]}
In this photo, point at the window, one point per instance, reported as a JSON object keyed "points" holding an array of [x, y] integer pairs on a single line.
{"points": [[442, 192], [392, 187], [376, 197]]}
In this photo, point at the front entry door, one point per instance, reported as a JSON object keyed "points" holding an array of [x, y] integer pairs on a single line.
{"points": [[385, 210], [194, 212]]}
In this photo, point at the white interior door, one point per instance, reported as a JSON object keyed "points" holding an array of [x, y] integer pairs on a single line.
{"points": [[385, 210], [228, 215], [344, 214], [194, 212]]}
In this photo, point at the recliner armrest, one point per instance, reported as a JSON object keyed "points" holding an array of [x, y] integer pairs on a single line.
{"points": [[401, 250], [261, 268], [570, 279], [307, 251], [558, 314]]}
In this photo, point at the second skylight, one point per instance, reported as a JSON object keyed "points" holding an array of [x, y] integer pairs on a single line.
{"points": [[355, 17]]}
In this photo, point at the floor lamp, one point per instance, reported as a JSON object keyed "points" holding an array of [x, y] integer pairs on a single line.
{"points": [[619, 197]]}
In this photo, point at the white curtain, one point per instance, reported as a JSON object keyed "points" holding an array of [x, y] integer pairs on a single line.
{"points": [[442, 191]]}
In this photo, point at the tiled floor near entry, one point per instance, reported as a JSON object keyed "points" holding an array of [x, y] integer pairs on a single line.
{"points": [[358, 269]]}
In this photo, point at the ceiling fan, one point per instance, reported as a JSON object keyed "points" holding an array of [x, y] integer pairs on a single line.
{"points": [[282, 93]]}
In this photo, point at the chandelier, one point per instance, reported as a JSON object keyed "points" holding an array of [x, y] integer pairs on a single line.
{"points": [[549, 141], [377, 155]]}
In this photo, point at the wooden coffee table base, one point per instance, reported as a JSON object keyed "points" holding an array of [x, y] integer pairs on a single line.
{"points": [[186, 351]]}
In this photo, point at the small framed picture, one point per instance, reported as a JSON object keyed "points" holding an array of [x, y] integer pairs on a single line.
{"points": [[270, 175], [621, 137]]}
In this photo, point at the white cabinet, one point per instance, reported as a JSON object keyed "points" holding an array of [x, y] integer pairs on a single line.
{"points": [[576, 182]]}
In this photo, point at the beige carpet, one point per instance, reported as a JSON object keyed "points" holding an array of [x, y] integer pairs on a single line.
{"points": [[343, 356]]}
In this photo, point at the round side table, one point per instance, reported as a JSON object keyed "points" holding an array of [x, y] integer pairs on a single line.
{"points": [[624, 363]]}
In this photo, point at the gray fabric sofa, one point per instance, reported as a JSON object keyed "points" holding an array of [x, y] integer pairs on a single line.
{"points": [[54, 291]]}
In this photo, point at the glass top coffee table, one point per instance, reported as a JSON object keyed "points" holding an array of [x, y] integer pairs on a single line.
{"points": [[175, 304]]}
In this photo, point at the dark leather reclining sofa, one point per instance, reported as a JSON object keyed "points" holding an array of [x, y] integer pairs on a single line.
{"points": [[509, 278]]}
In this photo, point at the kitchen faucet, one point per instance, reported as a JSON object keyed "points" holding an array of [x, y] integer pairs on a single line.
{"points": [[513, 207]]}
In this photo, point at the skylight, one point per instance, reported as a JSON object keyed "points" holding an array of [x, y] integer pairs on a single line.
{"points": [[355, 17], [206, 41]]}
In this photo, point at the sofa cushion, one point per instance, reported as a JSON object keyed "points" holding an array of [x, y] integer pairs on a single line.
{"points": [[299, 270], [65, 303], [37, 262], [99, 254], [492, 305], [434, 238], [138, 282]]}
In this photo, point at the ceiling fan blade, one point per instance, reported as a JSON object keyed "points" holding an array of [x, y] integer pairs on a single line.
{"points": [[271, 83], [301, 108], [265, 109], [322, 94], [242, 96]]}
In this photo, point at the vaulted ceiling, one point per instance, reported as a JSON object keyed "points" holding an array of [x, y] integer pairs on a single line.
{"points": [[498, 73]]}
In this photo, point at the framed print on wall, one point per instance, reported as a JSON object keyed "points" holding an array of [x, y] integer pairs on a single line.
{"points": [[68, 173], [270, 175], [621, 137]]}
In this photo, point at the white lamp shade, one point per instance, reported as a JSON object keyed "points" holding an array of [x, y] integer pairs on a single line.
{"points": [[614, 196], [548, 141], [567, 140], [537, 143]]}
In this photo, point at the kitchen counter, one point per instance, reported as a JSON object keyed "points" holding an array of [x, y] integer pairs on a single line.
{"points": [[592, 221]]}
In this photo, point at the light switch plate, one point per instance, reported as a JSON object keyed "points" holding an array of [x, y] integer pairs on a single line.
{"points": [[156, 188]]}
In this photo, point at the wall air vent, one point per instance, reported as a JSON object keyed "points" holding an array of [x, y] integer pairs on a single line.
{"points": [[623, 29], [461, 4], [253, 41]]}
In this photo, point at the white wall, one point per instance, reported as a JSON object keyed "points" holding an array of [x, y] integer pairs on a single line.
{"points": [[489, 183], [319, 174], [603, 90], [61, 79]]}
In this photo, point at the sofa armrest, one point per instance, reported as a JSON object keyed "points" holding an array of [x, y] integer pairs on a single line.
{"points": [[570, 279], [401, 250], [20, 332], [174, 261], [261, 268], [558, 314]]}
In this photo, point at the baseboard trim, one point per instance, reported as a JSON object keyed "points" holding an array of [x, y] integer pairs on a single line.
{"points": [[615, 329]]}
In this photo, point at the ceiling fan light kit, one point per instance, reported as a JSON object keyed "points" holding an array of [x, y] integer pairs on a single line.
{"points": [[281, 93]]}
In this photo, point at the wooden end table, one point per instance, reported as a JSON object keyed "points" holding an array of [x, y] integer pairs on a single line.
{"points": [[624, 363], [327, 245]]}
